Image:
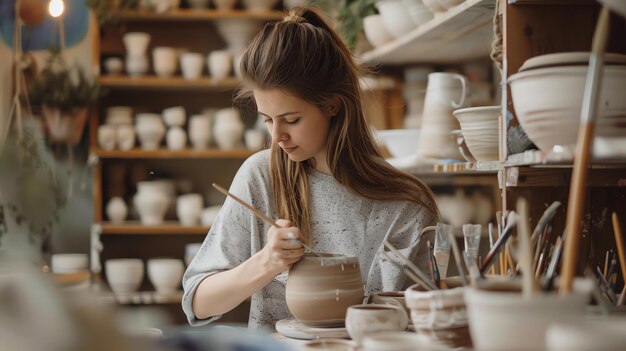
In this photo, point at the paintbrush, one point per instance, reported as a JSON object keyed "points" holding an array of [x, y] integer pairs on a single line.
{"points": [[257, 213], [504, 236], [619, 242], [408, 272], [472, 268], [554, 262], [457, 257], [434, 270]]}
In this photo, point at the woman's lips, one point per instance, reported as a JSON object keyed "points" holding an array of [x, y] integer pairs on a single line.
{"points": [[289, 149]]}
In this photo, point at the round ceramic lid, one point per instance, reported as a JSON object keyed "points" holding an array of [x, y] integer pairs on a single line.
{"points": [[569, 58]]}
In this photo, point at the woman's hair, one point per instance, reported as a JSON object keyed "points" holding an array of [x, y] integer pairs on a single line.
{"points": [[304, 56]]}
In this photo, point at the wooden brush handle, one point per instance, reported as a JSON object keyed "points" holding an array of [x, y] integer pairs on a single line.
{"points": [[619, 241]]}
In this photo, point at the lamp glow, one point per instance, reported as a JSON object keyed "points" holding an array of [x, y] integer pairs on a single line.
{"points": [[56, 8]]}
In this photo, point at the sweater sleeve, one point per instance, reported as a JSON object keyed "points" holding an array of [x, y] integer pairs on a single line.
{"points": [[233, 237]]}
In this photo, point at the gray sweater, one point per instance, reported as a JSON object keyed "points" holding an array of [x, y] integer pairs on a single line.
{"points": [[342, 222]]}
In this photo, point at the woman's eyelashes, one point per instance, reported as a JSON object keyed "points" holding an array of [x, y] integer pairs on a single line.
{"points": [[293, 121]]}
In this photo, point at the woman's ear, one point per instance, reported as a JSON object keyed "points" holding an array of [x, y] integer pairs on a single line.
{"points": [[333, 107]]}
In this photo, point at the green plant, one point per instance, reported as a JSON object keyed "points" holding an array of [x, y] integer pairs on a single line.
{"points": [[105, 9], [351, 17], [62, 87]]}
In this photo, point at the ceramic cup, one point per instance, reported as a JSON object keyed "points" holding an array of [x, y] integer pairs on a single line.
{"points": [[165, 274], [116, 209], [114, 65], [137, 65], [255, 139], [136, 43], [174, 116], [107, 137], [219, 63], [124, 275], [189, 209], [164, 59], [125, 137], [199, 131], [176, 138], [365, 319], [191, 65]]}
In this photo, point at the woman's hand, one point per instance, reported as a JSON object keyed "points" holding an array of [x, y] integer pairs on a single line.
{"points": [[284, 246]]}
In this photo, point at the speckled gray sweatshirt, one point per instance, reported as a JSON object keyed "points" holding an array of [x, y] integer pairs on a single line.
{"points": [[342, 222]]}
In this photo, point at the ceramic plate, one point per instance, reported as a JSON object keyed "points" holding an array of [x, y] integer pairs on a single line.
{"points": [[569, 58], [292, 328]]}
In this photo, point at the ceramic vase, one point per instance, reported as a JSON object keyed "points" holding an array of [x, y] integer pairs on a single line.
{"points": [[151, 203], [228, 128], [116, 209]]}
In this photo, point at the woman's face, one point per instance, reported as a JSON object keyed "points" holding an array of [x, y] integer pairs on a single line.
{"points": [[298, 127]]}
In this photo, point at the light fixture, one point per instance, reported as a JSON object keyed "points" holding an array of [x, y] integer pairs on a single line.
{"points": [[56, 8]]}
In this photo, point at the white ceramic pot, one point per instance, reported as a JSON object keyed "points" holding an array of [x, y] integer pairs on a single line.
{"points": [[150, 130], [548, 102], [107, 137], [228, 128], [125, 137], [255, 139], [114, 65], [237, 33], [419, 13], [199, 130], [124, 275], [174, 116], [116, 209], [399, 142], [481, 131], [219, 63], [166, 274], [189, 209], [456, 210], [375, 30], [398, 341], [69, 263], [191, 64], [490, 312], [365, 319], [176, 138], [164, 60], [151, 203], [601, 333], [395, 17], [136, 43], [137, 65], [445, 92]]}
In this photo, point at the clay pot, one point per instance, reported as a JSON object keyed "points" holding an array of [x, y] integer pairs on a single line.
{"points": [[362, 320], [320, 289], [65, 127]]}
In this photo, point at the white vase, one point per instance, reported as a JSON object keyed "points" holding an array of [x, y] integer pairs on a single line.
{"points": [[107, 137], [151, 203], [176, 139], [189, 209], [191, 65], [116, 209], [255, 139], [200, 131], [228, 129], [174, 116], [137, 65], [164, 60], [219, 63], [125, 137], [150, 130], [136, 43]]}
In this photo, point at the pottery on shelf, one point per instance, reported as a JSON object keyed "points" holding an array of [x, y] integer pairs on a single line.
{"points": [[480, 131], [320, 289], [362, 320], [174, 116], [228, 128], [176, 138], [165, 274], [255, 139], [136, 43], [151, 202], [124, 275], [137, 65], [199, 131], [395, 17], [191, 64], [125, 137], [219, 63], [107, 137], [116, 209], [150, 130], [189, 209], [164, 61], [114, 65], [375, 30]]}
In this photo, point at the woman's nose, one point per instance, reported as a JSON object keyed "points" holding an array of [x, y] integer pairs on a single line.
{"points": [[278, 134]]}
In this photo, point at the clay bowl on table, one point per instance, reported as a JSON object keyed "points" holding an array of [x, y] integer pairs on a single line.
{"points": [[320, 289]]}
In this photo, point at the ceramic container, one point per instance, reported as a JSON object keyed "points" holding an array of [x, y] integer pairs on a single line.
{"points": [[69, 263], [398, 341], [448, 4], [107, 137], [419, 13], [189, 209], [136, 43], [191, 64], [165, 274], [199, 130], [395, 298], [176, 138], [114, 65], [164, 60], [119, 115], [150, 130], [492, 304], [399, 142], [601, 333], [174, 116], [395, 17], [151, 202], [219, 63], [440, 315], [237, 33], [320, 289], [124, 275], [480, 131], [445, 92], [255, 139], [137, 65], [125, 137], [116, 209], [228, 129], [375, 30], [362, 320]]}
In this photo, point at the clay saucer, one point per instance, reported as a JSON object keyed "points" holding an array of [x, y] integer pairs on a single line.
{"points": [[292, 328]]}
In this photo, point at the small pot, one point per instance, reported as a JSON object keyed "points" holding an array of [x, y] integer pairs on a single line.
{"points": [[65, 127]]}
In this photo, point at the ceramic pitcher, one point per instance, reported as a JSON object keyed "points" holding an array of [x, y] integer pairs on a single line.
{"points": [[445, 92]]}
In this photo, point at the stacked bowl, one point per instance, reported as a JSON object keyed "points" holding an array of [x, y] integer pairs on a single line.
{"points": [[548, 93], [480, 131]]}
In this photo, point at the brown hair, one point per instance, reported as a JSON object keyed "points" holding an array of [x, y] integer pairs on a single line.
{"points": [[303, 55]]}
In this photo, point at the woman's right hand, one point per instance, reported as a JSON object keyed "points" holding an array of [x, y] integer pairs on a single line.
{"points": [[284, 246]]}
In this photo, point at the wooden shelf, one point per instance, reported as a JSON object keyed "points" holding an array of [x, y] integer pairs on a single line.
{"points": [[560, 176], [142, 298], [198, 15], [168, 83], [553, 2], [462, 33], [171, 154], [136, 228]]}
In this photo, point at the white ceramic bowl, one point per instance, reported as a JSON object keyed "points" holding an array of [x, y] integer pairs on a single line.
{"points": [[395, 17], [400, 142], [419, 13], [69, 263], [601, 334], [375, 30], [504, 320], [165, 274], [548, 103], [480, 130], [174, 116], [124, 275]]}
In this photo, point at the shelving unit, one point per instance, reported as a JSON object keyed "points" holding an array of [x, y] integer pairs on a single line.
{"points": [[173, 154], [179, 15], [168, 84], [136, 228], [457, 35]]}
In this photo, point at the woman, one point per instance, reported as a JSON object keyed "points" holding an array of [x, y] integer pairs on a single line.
{"points": [[323, 177]]}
